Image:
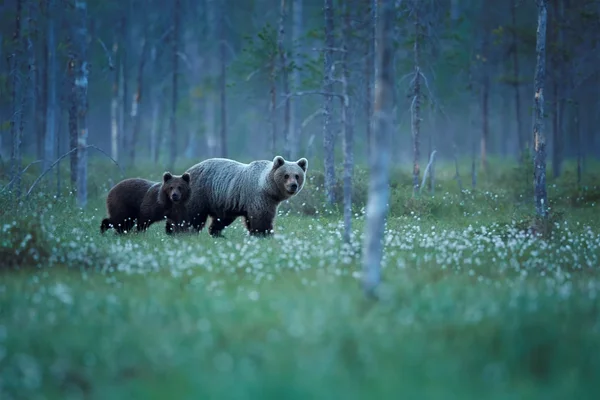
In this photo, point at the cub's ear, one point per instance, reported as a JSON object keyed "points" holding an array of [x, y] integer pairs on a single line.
{"points": [[186, 177], [302, 163], [167, 176], [278, 161]]}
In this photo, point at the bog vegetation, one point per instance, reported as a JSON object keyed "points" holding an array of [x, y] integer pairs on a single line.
{"points": [[479, 298]]}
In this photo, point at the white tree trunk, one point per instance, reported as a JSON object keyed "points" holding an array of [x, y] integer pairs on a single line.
{"points": [[379, 191], [210, 103], [286, 85], [328, 135], [294, 139], [50, 136], [539, 137], [348, 129]]}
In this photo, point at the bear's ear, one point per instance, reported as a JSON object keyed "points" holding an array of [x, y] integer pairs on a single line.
{"points": [[167, 176], [278, 161], [186, 177], [302, 163]]}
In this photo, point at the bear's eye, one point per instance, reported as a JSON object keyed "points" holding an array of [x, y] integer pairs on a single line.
{"points": [[297, 177], [287, 176]]}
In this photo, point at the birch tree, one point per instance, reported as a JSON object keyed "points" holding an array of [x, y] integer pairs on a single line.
{"points": [[369, 71], [379, 191], [328, 135], [485, 87], [223, 78], [348, 128], [175, 72], [416, 101], [114, 103], [137, 96], [539, 137], [50, 134], [294, 131], [284, 76], [516, 72], [81, 86]]}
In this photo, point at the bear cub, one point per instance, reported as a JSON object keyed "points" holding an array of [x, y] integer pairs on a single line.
{"points": [[145, 202]]}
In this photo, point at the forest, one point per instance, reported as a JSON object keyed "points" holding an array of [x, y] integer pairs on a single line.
{"points": [[441, 240]]}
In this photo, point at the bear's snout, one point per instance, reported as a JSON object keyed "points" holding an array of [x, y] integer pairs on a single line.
{"points": [[175, 196], [293, 187]]}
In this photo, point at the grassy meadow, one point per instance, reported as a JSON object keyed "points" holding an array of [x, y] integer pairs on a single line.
{"points": [[479, 299]]}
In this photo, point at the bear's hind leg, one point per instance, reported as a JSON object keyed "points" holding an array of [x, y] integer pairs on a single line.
{"points": [[218, 224]]}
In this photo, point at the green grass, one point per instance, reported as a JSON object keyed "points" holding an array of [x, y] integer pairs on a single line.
{"points": [[472, 304]]}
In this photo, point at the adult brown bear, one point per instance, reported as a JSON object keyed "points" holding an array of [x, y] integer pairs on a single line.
{"points": [[225, 189], [145, 202]]}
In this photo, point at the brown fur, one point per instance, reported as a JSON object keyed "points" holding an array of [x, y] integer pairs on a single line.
{"points": [[225, 189], [146, 202]]}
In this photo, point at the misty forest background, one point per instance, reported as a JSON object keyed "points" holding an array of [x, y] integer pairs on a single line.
{"points": [[452, 151], [172, 85]]}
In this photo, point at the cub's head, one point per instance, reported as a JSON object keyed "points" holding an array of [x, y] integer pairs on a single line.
{"points": [[176, 188], [289, 175]]}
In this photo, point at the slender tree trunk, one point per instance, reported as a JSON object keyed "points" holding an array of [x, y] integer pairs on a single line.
{"points": [[294, 139], [557, 86], [273, 106], [73, 106], [81, 85], [516, 83], [137, 98], [284, 75], [223, 80], [579, 144], [416, 102], [541, 199], [51, 70], [17, 103], [369, 72], [328, 135], [124, 81], [210, 103], [174, 96], [485, 91], [379, 192], [114, 103], [348, 129], [154, 127]]}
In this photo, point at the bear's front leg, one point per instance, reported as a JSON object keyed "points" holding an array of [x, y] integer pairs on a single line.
{"points": [[218, 224], [260, 224]]}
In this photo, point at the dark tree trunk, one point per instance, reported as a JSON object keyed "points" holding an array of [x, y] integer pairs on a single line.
{"points": [[539, 139], [16, 127], [516, 83]]}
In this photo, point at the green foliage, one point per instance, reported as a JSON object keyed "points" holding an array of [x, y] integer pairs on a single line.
{"points": [[477, 300]]}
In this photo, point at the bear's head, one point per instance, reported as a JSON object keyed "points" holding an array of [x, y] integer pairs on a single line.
{"points": [[176, 188], [289, 175]]}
